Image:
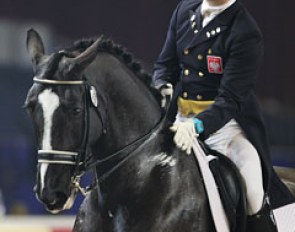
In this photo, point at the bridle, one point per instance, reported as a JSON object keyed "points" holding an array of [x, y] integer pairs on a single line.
{"points": [[74, 158], [78, 158]]}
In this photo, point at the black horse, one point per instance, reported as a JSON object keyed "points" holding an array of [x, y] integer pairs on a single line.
{"points": [[92, 107]]}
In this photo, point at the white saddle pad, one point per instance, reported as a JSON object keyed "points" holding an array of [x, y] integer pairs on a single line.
{"points": [[216, 207], [285, 218]]}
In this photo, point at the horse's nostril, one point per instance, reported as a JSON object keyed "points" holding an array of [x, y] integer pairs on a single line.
{"points": [[48, 198], [54, 199]]}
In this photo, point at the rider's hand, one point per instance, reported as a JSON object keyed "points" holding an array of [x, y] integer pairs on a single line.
{"points": [[166, 91], [186, 132]]}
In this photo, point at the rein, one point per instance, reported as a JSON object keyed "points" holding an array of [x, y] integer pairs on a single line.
{"points": [[121, 156], [78, 159]]}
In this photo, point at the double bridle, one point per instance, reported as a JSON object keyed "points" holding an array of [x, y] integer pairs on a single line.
{"points": [[74, 158], [78, 158]]}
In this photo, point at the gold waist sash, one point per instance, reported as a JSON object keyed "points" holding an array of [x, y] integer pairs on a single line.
{"points": [[187, 107]]}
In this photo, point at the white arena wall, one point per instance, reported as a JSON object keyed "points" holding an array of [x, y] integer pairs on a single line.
{"points": [[37, 224]]}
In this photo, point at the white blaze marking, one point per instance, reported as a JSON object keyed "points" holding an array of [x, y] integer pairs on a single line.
{"points": [[49, 102]]}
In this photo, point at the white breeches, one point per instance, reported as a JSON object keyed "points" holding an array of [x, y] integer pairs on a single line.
{"points": [[231, 141]]}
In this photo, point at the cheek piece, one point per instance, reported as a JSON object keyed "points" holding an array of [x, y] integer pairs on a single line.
{"points": [[74, 158]]}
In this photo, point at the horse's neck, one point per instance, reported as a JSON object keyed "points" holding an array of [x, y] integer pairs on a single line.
{"points": [[149, 182], [132, 110]]}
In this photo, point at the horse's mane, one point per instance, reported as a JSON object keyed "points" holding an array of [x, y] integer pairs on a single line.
{"points": [[109, 46]]}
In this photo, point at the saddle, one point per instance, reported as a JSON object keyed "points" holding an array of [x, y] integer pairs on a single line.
{"points": [[231, 188]]}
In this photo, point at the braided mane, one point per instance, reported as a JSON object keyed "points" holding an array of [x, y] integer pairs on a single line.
{"points": [[109, 46]]}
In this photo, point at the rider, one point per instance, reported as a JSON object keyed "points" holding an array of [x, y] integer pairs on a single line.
{"points": [[211, 59]]}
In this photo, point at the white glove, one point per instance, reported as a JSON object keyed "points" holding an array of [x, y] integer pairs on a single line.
{"points": [[185, 134], [166, 91]]}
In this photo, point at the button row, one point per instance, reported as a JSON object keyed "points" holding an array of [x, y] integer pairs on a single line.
{"points": [[186, 52], [213, 32], [198, 97], [187, 73]]}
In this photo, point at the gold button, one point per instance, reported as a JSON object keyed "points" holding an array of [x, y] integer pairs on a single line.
{"points": [[186, 72], [201, 74], [209, 51], [200, 57], [186, 51], [199, 97], [185, 95]]}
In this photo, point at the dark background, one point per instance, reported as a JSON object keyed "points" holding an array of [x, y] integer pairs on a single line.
{"points": [[141, 27]]}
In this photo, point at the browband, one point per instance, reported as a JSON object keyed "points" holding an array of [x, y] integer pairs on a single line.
{"points": [[57, 82]]}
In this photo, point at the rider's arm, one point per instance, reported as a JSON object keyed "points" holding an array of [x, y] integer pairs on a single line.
{"points": [[166, 68]]}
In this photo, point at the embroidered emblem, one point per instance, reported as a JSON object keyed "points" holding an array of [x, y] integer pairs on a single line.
{"points": [[215, 64]]}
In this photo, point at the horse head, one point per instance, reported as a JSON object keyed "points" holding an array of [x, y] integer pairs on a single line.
{"points": [[58, 106]]}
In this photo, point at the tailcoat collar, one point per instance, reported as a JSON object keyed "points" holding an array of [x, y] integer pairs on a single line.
{"points": [[218, 25]]}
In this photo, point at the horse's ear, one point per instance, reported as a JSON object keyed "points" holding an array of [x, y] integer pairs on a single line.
{"points": [[35, 46], [79, 63]]}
